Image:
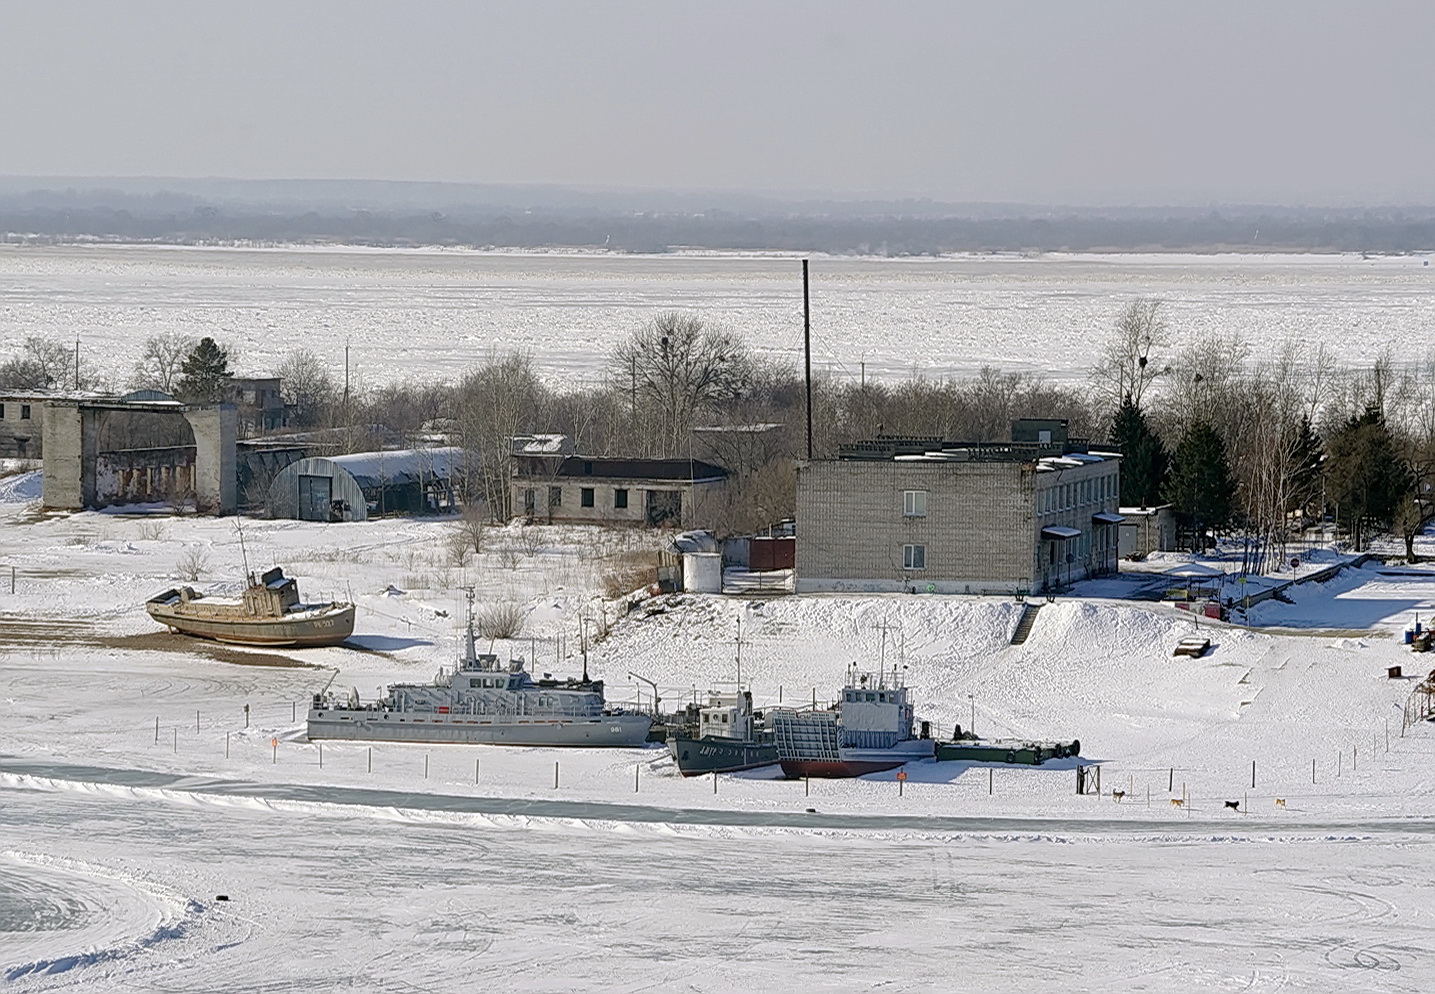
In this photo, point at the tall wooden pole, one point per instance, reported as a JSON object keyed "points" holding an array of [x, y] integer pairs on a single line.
{"points": [[807, 351]]}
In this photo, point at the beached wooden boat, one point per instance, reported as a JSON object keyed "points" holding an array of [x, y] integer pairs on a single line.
{"points": [[268, 613]]}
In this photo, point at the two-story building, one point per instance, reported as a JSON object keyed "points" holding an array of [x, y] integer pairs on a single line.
{"points": [[927, 515]]}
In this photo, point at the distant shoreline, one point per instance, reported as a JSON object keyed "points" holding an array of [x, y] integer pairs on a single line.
{"points": [[11, 241]]}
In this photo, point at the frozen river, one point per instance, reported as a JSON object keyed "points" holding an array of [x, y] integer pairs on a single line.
{"points": [[433, 313], [373, 896]]}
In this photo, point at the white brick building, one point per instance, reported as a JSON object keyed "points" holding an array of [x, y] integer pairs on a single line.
{"points": [[925, 515]]}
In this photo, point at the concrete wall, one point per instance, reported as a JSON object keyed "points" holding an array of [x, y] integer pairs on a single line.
{"points": [[851, 530], [72, 453], [216, 466], [70, 440], [135, 476], [1148, 530]]}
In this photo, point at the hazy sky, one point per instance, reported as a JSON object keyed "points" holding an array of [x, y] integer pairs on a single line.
{"points": [[1075, 102]]}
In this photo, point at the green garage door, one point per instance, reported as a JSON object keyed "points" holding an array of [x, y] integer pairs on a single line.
{"points": [[314, 497]]}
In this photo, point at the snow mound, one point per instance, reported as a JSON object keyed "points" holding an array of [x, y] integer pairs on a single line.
{"points": [[21, 488]]}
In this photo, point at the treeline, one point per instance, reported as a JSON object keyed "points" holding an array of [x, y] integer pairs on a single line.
{"points": [[1241, 447], [1261, 449], [1266, 448], [883, 235]]}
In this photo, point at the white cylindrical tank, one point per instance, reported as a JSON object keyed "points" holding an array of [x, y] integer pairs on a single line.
{"points": [[702, 572]]}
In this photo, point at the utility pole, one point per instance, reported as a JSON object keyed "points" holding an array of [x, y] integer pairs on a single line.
{"points": [[807, 351]]}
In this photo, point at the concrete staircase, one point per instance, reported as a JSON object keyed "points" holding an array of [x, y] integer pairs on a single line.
{"points": [[1024, 623]]}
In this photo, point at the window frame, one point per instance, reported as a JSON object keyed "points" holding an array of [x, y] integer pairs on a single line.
{"points": [[914, 556], [620, 498], [911, 499], [587, 497]]}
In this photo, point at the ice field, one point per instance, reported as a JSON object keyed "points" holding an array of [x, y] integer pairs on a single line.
{"points": [[432, 313], [132, 793]]}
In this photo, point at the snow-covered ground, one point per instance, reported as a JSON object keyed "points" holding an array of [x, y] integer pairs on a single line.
{"points": [[431, 313], [132, 793]]}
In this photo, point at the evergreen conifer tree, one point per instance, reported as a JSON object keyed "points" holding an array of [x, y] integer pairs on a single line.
{"points": [[1201, 485], [1367, 479], [203, 373], [1144, 459]]}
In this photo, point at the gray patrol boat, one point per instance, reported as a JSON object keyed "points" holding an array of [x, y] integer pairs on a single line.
{"points": [[484, 701]]}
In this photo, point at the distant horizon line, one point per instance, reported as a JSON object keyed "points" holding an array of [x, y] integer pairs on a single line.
{"points": [[13, 184]]}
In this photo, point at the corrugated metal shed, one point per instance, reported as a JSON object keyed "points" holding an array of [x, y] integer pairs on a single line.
{"points": [[352, 487], [399, 466]]}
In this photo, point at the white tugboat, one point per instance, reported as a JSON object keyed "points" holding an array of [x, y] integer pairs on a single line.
{"points": [[484, 701]]}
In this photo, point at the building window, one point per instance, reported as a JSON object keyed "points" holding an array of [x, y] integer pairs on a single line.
{"points": [[585, 497], [620, 498], [2, 412], [555, 496], [914, 503], [914, 557], [24, 412]]}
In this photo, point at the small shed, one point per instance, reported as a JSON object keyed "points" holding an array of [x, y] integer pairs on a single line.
{"points": [[1145, 530], [363, 485]]}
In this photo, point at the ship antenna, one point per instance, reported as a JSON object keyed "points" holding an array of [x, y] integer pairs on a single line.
{"points": [[470, 656], [243, 554], [882, 652], [583, 644], [739, 655]]}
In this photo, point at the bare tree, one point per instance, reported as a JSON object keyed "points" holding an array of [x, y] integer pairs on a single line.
{"points": [[307, 387], [42, 364], [501, 620], [472, 530], [1127, 367], [160, 360], [675, 368], [192, 563], [496, 401]]}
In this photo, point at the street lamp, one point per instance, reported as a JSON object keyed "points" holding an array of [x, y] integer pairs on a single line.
{"points": [[972, 728]]}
